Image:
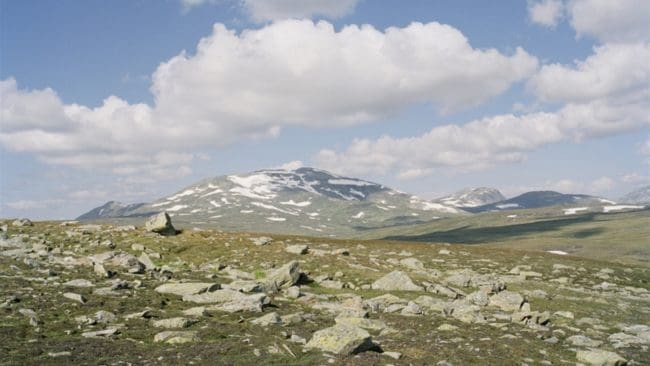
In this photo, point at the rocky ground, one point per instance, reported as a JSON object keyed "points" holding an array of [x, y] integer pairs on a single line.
{"points": [[118, 295]]}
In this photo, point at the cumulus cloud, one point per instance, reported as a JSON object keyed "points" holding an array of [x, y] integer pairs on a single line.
{"points": [[611, 21], [253, 83], [613, 69], [546, 12], [292, 165], [486, 142]]}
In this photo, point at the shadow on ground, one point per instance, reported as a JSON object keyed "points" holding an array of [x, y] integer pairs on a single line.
{"points": [[483, 235]]}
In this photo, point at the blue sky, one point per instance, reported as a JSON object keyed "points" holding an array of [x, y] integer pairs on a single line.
{"points": [[427, 97]]}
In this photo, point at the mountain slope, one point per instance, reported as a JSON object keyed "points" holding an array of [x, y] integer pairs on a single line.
{"points": [[111, 209], [472, 197], [301, 201], [538, 199], [641, 195]]}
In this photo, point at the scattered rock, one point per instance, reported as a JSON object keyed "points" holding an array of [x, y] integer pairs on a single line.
{"points": [[78, 283], [186, 288], [268, 319], [396, 281], [160, 224], [285, 276], [598, 357], [341, 340], [507, 301], [22, 222], [297, 249], [177, 323], [176, 337], [262, 240], [100, 333], [579, 340], [75, 297]]}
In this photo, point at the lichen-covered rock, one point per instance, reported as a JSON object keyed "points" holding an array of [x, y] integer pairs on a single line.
{"points": [[507, 301], [187, 288], [229, 301], [297, 249], [596, 357], [284, 277], [161, 224], [177, 323], [175, 337], [268, 319], [396, 281], [341, 339]]}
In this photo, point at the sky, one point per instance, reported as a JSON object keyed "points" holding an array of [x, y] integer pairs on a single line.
{"points": [[131, 100]]}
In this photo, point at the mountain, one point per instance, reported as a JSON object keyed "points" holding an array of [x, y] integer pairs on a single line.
{"points": [[111, 209], [538, 199], [472, 197], [301, 201], [641, 195]]}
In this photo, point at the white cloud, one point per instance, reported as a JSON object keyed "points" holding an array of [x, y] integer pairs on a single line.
{"points": [[188, 4], [613, 69], [292, 165], [636, 178], [546, 12], [611, 20], [252, 84], [486, 142], [263, 10], [645, 147], [26, 205]]}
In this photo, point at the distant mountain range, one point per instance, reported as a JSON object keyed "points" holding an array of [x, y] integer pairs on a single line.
{"points": [[301, 201], [538, 199], [310, 201], [472, 197], [639, 196]]}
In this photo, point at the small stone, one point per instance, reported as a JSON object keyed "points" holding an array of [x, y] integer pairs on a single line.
{"points": [[341, 339], [393, 355], [447, 327], [78, 283], [396, 281], [100, 333], [186, 288], [262, 240], [297, 249], [176, 337], [583, 341], [268, 319], [293, 292], [598, 357], [178, 323], [74, 297]]}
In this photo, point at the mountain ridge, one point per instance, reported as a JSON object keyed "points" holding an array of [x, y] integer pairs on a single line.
{"points": [[303, 201]]}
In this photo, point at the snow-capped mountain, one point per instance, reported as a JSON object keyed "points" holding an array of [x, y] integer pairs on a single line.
{"points": [[301, 201], [641, 195], [472, 197], [111, 209]]}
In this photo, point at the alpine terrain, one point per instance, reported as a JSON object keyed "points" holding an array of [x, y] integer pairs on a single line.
{"points": [[302, 201]]}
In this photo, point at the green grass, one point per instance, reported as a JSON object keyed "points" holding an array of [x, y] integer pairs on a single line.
{"points": [[623, 237]]}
